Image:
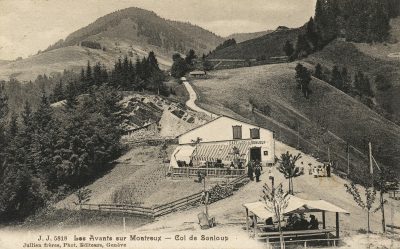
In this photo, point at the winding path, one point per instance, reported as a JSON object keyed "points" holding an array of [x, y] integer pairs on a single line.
{"points": [[192, 98]]}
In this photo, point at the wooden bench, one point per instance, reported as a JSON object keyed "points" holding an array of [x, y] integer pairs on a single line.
{"points": [[294, 234]]}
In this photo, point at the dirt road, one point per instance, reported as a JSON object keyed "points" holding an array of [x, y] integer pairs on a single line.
{"points": [[191, 103]]}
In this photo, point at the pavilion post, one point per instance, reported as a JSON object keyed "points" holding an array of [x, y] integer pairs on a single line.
{"points": [[247, 221], [255, 226], [323, 220], [337, 225]]}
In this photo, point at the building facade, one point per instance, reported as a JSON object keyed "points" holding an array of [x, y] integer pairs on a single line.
{"points": [[225, 140]]}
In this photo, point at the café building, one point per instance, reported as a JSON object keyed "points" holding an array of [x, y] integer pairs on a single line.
{"points": [[224, 141]]}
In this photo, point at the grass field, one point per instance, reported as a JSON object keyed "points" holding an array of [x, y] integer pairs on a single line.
{"points": [[138, 178], [372, 60], [268, 45], [272, 88]]}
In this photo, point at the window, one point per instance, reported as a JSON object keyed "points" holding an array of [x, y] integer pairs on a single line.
{"points": [[255, 133], [237, 132]]}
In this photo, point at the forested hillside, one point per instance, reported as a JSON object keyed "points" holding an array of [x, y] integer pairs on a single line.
{"points": [[47, 151], [131, 32], [355, 20], [145, 26], [268, 46]]}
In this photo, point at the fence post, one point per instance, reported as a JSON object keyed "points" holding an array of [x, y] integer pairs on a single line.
{"points": [[123, 222], [305, 244]]}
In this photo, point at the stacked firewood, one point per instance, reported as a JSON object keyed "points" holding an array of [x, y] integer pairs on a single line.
{"points": [[219, 192]]}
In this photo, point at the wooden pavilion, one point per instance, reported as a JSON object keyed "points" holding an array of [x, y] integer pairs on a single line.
{"points": [[257, 213]]}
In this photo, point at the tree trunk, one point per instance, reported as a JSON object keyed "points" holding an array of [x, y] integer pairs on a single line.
{"points": [[291, 179], [368, 222], [282, 242]]}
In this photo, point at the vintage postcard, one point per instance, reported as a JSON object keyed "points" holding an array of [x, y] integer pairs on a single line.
{"points": [[146, 124]]}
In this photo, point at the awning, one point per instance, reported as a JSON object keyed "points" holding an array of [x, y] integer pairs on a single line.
{"points": [[183, 153], [295, 204], [212, 152]]}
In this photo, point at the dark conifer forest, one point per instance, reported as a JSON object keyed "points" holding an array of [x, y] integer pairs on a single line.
{"points": [[47, 151]]}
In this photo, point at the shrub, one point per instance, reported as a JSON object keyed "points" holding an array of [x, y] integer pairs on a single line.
{"points": [[91, 44], [125, 195]]}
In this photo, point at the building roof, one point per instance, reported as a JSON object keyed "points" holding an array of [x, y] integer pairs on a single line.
{"points": [[295, 205], [213, 152], [222, 116], [197, 72]]}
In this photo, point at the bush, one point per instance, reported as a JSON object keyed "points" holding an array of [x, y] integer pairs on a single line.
{"points": [[91, 44], [125, 195]]}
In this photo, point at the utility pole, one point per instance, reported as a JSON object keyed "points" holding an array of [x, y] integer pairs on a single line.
{"points": [[298, 135], [329, 153], [348, 160], [205, 195], [382, 182], [371, 169]]}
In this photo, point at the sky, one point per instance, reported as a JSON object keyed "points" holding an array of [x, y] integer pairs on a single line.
{"points": [[27, 26]]}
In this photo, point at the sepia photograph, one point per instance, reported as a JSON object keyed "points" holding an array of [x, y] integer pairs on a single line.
{"points": [[211, 124]]}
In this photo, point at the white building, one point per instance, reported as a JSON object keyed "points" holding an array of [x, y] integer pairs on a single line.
{"points": [[225, 140]]}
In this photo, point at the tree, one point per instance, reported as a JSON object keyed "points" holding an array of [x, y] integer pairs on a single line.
{"points": [[89, 76], [318, 72], [336, 78], [58, 92], [276, 201], [346, 85], [288, 48], [303, 78], [382, 84], [311, 33], [207, 66], [287, 166], [362, 84], [302, 47], [179, 67], [71, 94], [370, 194], [83, 195], [190, 57]]}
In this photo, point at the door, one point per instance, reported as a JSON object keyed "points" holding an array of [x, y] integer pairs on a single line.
{"points": [[255, 153]]}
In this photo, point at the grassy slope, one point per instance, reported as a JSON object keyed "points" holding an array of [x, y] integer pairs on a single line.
{"points": [[241, 37], [269, 45], [372, 59], [142, 171], [274, 86]]}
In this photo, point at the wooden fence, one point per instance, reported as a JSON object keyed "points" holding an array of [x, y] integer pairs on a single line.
{"points": [[120, 208], [394, 194], [213, 172], [157, 211]]}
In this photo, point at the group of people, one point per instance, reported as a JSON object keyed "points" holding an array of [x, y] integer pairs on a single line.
{"points": [[321, 170], [254, 167], [295, 222]]}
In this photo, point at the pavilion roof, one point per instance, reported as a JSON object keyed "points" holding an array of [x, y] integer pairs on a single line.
{"points": [[295, 205]]}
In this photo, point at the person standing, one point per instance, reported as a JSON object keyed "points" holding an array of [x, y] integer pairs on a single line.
{"points": [[257, 171], [250, 169], [328, 170]]}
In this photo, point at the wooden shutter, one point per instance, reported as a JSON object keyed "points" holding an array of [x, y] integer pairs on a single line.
{"points": [[255, 133], [237, 131]]}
